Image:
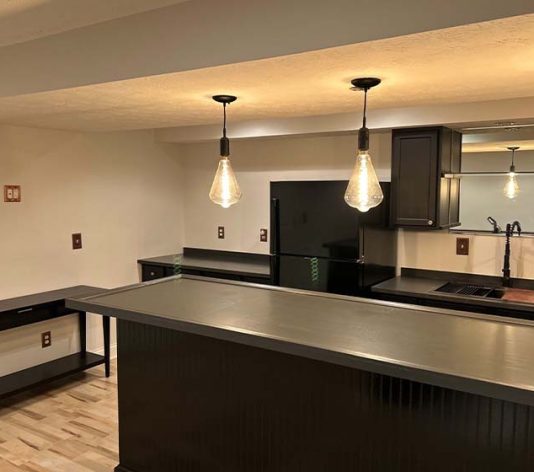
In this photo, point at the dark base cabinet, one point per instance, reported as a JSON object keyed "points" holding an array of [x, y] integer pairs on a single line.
{"points": [[237, 408], [227, 265], [152, 272]]}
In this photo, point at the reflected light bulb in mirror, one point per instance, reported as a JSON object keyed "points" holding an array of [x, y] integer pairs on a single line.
{"points": [[364, 191], [511, 188], [225, 190]]}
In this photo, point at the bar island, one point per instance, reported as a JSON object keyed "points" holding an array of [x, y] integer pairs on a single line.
{"points": [[232, 377]]}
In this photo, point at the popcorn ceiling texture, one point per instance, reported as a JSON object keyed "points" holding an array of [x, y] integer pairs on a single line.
{"points": [[24, 20], [483, 61]]}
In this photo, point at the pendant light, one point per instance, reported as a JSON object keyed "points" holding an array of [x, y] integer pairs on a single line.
{"points": [[511, 188], [225, 190], [363, 191]]}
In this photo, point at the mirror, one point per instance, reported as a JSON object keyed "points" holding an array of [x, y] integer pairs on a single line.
{"points": [[485, 172]]}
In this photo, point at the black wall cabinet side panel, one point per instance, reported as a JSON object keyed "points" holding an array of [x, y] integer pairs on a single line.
{"points": [[190, 403], [421, 197]]}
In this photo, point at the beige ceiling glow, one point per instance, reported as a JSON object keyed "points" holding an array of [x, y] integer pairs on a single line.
{"points": [[498, 146], [25, 20], [437, 67]]}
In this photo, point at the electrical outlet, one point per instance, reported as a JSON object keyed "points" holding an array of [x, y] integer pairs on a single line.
{"points": [[263, 235], [220, 232], [12, 193], [46, 339], [77, 241], [462, 246]]}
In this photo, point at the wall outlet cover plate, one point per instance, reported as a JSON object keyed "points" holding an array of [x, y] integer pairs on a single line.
{"points": [[46, 339], [12, 193]]}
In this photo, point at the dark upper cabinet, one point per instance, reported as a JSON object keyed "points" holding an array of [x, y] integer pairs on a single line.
{"points": [[421, 197]]}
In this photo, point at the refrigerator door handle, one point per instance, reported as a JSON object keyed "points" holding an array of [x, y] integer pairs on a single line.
{"points": [[361, 245]]}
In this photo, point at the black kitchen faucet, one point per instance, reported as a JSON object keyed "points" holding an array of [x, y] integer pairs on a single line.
{"points": [[493, 222], [510, 229]]}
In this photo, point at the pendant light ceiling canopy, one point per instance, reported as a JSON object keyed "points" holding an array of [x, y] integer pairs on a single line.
{"points": [[364, 191], [225, 190]]}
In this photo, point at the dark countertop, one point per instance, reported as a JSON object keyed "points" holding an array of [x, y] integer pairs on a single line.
{"points": [[249, 264], [421, 287], [424, 344], [26, 301]]}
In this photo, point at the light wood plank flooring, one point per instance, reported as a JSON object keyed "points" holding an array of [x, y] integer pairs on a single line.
{"points": [[69, 427]]}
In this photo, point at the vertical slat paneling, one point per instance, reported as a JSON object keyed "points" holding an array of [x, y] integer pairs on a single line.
{"points": [[193, 404]]}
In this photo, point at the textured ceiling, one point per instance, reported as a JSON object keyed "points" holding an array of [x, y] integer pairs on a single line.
{"points": [[484, 61], [24, 20]]}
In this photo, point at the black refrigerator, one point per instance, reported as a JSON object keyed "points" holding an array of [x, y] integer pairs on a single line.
{"points": [[320, 243]]}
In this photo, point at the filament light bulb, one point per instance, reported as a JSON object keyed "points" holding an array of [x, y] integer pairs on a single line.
{"points": [[511, 188], [364, 191], [225, 190]]}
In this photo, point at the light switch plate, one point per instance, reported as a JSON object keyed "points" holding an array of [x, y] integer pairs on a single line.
{"points": [[12, 193], [462, 246], [77, 241], [220, 232], [264, 235]]}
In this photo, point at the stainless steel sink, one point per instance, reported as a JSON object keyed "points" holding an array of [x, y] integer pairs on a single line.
{"points": [[471, 290]]}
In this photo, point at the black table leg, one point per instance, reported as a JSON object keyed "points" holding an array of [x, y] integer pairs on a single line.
{"points": [[107, 349], [83, 331]]}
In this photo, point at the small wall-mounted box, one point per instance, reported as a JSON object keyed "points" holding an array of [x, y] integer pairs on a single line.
{"points": [[12, 193], [462, 246], [263, 235], [77, 241]]}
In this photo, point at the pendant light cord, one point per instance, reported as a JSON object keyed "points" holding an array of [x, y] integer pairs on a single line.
{"points": [[363, 132], [224, 120], [365, 108], [513, 149]]}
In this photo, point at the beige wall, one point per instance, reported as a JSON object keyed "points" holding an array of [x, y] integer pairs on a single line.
{"points": [[436, 250], [257, 162], [120, 190], [126, 195]]}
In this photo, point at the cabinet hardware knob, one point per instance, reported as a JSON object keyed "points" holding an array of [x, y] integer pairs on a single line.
{"points": [[430, 222], [152, 273]]}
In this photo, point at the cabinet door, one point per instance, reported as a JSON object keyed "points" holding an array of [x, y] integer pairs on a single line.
{"points": [[414, 177]]}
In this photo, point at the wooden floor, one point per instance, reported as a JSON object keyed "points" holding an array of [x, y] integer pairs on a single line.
{"points": [[70, 427]]}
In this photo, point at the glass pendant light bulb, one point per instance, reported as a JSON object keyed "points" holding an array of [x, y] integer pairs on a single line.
{"points": [[225, 190], [511, 188], [364, 191]]}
